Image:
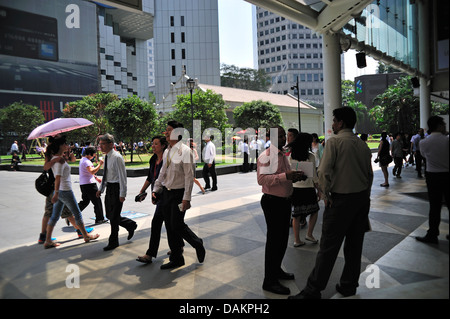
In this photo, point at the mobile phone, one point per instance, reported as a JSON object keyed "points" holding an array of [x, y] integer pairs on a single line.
{"points": [[180, 207]]}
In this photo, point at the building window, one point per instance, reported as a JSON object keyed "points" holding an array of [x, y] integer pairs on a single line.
{"points": [[173, 70], [183, 54], [173, 54], [182, 37], [182, 21], [172, 37], [172, 21]]}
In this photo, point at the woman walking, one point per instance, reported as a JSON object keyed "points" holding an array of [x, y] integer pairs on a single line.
{"points": [[159, 145], [384, 158], [63, 194]]}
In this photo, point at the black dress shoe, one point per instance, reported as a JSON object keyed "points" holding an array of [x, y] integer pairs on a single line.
{"points": [[286, 276], [131, 231], [304, 295], [201, 252], [110, 247], [173, 264], [346, 292], [214, 189], [276, 288], [428, 239]]}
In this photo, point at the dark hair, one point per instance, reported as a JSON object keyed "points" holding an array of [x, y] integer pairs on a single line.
{"points": [[434, 122], [176, 124], [54, 144], [301, 146], [293, 131], [347, 115], [90, 150], [162, 140], [364, 137]]}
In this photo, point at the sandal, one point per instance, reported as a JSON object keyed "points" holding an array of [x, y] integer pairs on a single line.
{"points": [[51, 245], [93, 237], [311, 239], [299, 244], [144, 260]]}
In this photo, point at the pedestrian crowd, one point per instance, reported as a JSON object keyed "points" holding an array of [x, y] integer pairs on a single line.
{"points": [[295, 171]]}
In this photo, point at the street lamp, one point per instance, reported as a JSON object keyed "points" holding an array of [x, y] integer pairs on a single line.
{"points": [[296, 86], [190, 83]]}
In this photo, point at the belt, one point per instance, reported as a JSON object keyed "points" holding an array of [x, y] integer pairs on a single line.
{"points": [[173, 189], [276, 197]]}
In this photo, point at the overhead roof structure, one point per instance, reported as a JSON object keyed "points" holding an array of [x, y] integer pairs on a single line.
{"points": [[330, 16], [335, 17], [321, 16]]}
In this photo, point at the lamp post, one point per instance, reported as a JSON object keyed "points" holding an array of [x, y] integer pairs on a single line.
{"points": [[296, 86], [190, 83]]}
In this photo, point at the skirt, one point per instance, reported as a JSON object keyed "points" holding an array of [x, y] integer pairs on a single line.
{"points": [[304, 202]]}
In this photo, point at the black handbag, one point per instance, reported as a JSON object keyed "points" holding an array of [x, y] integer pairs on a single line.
{"points": [[45, 183], [385, 160]]}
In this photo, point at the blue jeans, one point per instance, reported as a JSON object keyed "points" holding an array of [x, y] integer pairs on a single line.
{"points": [[66, 198]]}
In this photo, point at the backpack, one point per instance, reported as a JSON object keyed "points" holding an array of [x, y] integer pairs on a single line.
{"points": [[45, 183]]}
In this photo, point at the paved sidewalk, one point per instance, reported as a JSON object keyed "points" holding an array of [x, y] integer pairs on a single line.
{"points": [[232, 225]]}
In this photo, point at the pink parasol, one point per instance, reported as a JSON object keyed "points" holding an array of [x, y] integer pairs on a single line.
{"points": [[59, 125]]}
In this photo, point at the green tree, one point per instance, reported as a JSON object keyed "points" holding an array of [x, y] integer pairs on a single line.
{"points": [[91, 107], [364, 123], [20, 118], [244, 78], [397, 109], [131, 118], [208, 107], [257, 114]]}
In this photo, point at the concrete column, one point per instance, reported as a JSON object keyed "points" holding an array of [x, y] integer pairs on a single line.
{"points": [[331, 51], [424, 62]]}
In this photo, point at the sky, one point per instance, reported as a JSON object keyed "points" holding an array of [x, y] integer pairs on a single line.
{"points": [[237, 46]]}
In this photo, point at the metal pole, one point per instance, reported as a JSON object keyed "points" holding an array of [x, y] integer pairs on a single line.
{"points": [[192, 115], [298, 103]]}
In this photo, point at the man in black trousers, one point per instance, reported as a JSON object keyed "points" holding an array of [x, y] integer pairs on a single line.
{"points": [[174, 184], [115, 182], [345, 179]]}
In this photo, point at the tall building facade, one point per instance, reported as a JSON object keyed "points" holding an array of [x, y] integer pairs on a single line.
{"points": [[288, 51], [186, 39]]}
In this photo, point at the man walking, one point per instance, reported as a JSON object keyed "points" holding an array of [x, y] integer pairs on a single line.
{"points": [[174, 184], [345, 179], [115, 182], [435, 149], [210, 164], [397, 154]]}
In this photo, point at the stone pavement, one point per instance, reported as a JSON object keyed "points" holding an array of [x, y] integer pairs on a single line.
{"points": [[232, 226]]}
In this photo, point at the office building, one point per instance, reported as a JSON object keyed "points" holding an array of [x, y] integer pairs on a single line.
{"points": [[287, 51], [186, 39]]}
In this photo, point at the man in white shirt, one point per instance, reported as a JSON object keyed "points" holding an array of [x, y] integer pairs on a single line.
{"points": [[210, 164], [435, 149], [115, 182], [174, 185]]}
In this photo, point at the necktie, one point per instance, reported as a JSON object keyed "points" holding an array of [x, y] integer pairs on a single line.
{"points": [[105, 170]]}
